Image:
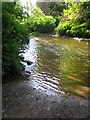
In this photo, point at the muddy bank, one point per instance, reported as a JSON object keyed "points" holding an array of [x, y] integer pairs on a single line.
{"points": [[22, 100]]}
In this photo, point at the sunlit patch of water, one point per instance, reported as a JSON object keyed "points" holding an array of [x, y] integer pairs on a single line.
{"points": [[59, 66]]}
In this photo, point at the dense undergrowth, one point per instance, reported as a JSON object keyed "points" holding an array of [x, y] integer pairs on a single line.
{"points": [[75, 21], [73, 29], [39, 22], [15, 35], [17, 26]]}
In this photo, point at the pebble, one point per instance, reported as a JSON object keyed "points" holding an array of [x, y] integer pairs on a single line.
{"points": [[6, 99], [48, 108], [34, 88], [25, 81], [36, 98]]}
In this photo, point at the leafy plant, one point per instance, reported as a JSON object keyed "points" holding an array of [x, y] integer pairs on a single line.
{"points": [[38, 22], [14, 37], [75, 21]]}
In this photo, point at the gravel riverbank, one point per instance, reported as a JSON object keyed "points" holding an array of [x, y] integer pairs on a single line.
{"points": [[22, 100]]}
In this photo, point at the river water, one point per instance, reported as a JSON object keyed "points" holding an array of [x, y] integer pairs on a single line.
{"points": [[60, 65]]}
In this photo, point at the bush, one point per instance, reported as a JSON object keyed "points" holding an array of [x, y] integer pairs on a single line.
{"points": [[41, 23], [73, 29], [57, 18], [63, 28], [14, 37], [75, 21], [45, 24], [80, 30]]}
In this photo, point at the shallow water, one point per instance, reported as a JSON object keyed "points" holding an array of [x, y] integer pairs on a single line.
{"points": [[60, 65]]}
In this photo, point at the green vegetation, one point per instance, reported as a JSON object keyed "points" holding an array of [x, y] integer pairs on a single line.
{"points": [[54, 9], [14, 36], [38, 22], [75, 21], [73, 29], [17, 25], [51, 8]]}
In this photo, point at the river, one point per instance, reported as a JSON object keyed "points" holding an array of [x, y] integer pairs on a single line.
{"points": [[60, 65]]}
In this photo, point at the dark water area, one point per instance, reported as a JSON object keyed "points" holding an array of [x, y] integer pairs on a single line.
{"points": [[60, 65]]}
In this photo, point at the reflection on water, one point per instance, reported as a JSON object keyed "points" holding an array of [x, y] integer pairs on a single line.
{"points": [[59, 65]]}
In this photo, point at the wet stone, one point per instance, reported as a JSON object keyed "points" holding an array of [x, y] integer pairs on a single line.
{"points": [[34, 88], [48, 108], [36, 98], [25, 81]]}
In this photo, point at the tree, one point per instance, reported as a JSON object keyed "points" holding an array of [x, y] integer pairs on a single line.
{"points": [[51, 8]]}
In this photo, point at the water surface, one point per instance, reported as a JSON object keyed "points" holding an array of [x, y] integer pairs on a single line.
{"points": [[60, 65]]}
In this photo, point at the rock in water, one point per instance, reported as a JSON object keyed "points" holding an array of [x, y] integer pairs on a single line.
{"points": [[23, 67], [29, 62], [28, 72]]}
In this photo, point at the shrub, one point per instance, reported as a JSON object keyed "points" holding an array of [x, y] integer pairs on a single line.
{"points": [[57, 18], [75, 21], [63, 28], [73, 29], [41, 23], [14, 37], [45, 24], [80, 30]]}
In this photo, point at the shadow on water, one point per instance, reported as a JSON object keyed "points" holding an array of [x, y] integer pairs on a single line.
{"points": [[60, 65]]}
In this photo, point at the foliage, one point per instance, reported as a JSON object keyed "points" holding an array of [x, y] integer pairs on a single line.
{"points": [[75, 21], [62, 28], [51, 8], [40, 23], [57, 18], [14, 37], [54, 9], [37, 12]]}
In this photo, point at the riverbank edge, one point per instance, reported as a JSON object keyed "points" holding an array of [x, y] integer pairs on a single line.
{"points": [[23, 94], [36, 34]]}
